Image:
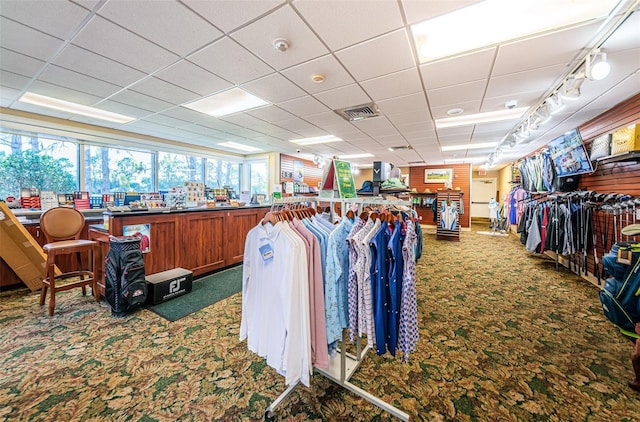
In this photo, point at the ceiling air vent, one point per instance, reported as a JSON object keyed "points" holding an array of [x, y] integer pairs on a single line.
{"points": [[359, 112]]}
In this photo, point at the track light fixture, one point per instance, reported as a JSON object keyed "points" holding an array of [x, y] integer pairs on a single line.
{"points": [[555, 103], [571, 87], [596, 65]]}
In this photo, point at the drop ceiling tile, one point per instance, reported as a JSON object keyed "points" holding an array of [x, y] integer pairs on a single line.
{"points": [[283, 23], [39, 14], [62, 93], [27, 41], [303, 106], [229, 15], [335, 75], [273, 88], [270, 113], [626, 37], [457, 94], [83, 61], [296, 125], [458, 130], [364, 60], [166, 23], [468, 68], [396, 84], [377, 126], [470, 107], [19, 63], [244, 120], [346, 96], [166, 121], [170, 93], [558, 48], [140, 100], [358, 21], [194, 78], [238, 66], [420, 10], [123, 46], [125, 109], [540, 79], [201, 130], [189, 115], [524, 99], [412, 103], [60, 76], [8, 95]]}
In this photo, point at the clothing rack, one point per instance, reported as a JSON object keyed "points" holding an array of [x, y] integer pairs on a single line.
{"points": [[343, 365]]}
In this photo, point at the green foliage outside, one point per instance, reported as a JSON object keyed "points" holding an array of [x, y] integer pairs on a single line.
{"points": [[30, 169]]}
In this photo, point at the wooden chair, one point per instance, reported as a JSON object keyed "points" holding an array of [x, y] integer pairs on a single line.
{"points": [[62, 228]]}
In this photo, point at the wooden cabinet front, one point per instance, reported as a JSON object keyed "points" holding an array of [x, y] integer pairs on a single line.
{"points": [[203, 240]]}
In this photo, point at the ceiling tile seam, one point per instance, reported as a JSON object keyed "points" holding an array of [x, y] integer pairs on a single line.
{"points": [[65, 43], [416, 60]]}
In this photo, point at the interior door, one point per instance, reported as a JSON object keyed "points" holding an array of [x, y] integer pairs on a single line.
{"points": [[482, 190]]}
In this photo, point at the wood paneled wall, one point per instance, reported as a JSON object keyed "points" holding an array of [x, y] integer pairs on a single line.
{"points": [[312, 174], [621, 177], [461, 179]]}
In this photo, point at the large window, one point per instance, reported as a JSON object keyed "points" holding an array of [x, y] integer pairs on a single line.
{"points": [[221, 173], [117, 170], [259, 176], [175, 169], [52, 163], [30, 161]]}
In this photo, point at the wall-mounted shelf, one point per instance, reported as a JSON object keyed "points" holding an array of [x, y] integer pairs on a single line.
{"points": [[627, 156]]}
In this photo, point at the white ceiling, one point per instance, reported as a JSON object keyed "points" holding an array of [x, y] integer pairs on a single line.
{"points": [[147, 58]]}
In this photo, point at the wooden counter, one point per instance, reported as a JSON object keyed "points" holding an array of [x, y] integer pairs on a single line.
{"points": [[199, 240]]}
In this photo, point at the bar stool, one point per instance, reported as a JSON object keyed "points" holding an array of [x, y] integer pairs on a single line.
{"points": [[62, 228]]}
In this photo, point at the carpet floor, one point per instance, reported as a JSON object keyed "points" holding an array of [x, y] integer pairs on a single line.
{"points": [[503, 337]]}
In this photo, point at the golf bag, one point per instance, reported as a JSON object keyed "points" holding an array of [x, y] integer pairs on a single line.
{"points": [[620, 296], [125, 284]]}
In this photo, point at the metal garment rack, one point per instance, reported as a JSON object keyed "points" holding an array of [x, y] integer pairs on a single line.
{"points": [[344, 365]]}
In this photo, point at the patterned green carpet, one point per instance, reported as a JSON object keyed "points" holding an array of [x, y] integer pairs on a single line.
{"points": [[503, 338]]}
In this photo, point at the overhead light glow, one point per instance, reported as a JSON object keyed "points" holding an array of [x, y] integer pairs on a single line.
{"points": [[69, 107], [469, 146], [239, 147], [488, 117], [464, 160], [350, 156], [490, 22], [316, 140], [227, 102]]}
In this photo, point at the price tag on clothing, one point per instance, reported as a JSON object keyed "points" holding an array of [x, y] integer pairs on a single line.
{"points": [[266, 251]]}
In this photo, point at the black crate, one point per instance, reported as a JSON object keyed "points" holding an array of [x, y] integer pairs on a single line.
{"points": [[168, 284]]}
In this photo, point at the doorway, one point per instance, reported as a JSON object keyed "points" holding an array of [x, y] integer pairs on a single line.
{"points": [[482, 190]]}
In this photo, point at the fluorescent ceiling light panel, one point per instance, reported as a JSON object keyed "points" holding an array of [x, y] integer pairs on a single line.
{"points": [[488, 117], [69, 107], [227, 102], [361, 155], [316, 140], [492, 22], [239, 147], [469, 146]]}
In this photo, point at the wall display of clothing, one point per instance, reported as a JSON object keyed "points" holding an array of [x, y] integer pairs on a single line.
{"points": [[581, 225], [449, 204], [514, 204], [307, 283], [537, 173]]}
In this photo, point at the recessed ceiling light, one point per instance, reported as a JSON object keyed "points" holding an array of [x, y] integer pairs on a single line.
{"points": [[227, 102], [69, 107], [488, 117], [491, 22], [316, 140], [317, 78], [239, 147], [455, 111]]}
